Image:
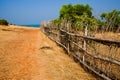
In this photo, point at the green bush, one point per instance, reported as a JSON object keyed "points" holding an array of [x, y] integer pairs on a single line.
{"points": [[3, 22]]}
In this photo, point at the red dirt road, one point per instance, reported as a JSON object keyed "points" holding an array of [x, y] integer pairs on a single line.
{"points": [[27, 54]]}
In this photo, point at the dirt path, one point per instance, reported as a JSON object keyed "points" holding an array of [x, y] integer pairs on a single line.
{"points": [[27, 54]]}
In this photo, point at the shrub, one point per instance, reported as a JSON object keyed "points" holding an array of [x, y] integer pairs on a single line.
{"points": [[3, 22]]}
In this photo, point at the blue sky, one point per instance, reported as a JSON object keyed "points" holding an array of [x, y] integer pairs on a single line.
{"points": [[35, 11]]}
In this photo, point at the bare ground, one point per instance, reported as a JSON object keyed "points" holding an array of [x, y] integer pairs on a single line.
{"points": [[27, 54]]}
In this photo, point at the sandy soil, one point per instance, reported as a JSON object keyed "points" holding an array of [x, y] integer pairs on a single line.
{"points": [[27, 54]]}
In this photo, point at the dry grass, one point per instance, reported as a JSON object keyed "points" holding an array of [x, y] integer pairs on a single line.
{"points": [[97, 49], [27, 54], [105, 51], [108, 35], [101, 50]]}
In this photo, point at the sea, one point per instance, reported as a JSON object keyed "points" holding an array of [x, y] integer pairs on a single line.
{"points": [[32, 25]]}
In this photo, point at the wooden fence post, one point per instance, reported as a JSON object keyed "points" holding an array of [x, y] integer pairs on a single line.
{"points": [[84, 44], [68, 42]]}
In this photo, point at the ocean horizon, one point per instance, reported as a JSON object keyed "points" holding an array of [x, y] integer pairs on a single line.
{"points": [[32, 25]]}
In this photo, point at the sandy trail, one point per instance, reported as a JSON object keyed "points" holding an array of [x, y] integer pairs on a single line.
{"points": [[27, 54]]}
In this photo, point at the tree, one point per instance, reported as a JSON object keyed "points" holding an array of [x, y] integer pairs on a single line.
{"points": [[3, 22], [70, 11], [66, 11], [81, 9], [85, 21], [111, 20], [78, 16]]}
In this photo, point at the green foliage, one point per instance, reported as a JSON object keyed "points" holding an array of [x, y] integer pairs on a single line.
{"points": [[79, 15], [70, 11], [103, 16], [111, 19], [85, 20], [56, 22], [66, 11], [3, 22], [81, 9]]}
